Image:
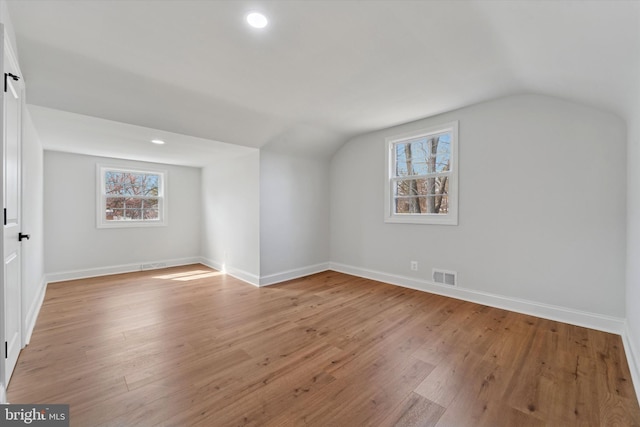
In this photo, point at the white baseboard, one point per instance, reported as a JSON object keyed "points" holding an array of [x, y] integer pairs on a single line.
{"points": [[117, 269], [34, 310], [562, 314], [633, 358], [239, 274], [283, 276], [3, 395], [270, 279]]}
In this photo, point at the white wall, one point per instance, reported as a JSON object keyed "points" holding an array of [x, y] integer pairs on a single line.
{"points": [[75, 247], [633, 248], [231, 215], [5, 19], [542, 206], [33, 280], [294, 215]]}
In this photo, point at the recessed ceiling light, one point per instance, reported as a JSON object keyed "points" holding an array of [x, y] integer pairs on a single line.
{"points": [[257, 20], [157, 141]]}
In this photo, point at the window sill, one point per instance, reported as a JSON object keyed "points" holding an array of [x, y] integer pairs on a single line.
{"points": [[422, 219], [133, 224]]}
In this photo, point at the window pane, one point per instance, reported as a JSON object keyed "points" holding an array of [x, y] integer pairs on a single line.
{"points": [[115, 215], [422, 156], [114, 209], [133, 214], [114, 202], [409, 187], [150, 185], [411, 157], [427, 195], [150, 214], [422, 204], [113, 183], [422, 187], [130, 208], [150, 203], [131, 203], [442, 149], [131, 183]]}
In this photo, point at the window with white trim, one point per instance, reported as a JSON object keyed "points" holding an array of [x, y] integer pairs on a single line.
{"points": [[131, 197], [422, 176]]}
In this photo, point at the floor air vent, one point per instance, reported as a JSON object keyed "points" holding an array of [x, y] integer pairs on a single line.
{"points": [[444, 277], [153, 266]]}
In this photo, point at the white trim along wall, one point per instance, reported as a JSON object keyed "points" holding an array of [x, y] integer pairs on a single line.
{"points": [[547, 311]]}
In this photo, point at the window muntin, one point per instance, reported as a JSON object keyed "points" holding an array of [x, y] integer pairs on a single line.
{"points": [[129, 197], [422, 178]]}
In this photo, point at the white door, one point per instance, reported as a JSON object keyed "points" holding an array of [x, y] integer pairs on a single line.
{"points": [[11, 285]]}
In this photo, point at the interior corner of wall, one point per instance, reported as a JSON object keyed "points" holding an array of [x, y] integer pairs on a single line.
{"points": [[631, 350]]}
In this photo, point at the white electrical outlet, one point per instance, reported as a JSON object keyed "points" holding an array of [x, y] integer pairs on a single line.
{"points": [[414, 265]]}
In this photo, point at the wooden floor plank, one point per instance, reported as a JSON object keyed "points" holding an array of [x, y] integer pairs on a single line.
{"points": [[414, 411], [189, 346]]}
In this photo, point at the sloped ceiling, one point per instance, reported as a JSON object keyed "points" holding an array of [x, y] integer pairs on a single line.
{"points": [[322, 71]]}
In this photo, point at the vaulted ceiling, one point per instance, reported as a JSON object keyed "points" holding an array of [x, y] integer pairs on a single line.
{"points": [[321, 71]]}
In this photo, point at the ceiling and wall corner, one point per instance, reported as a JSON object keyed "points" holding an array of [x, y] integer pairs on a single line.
{"points": [[77, 133]]}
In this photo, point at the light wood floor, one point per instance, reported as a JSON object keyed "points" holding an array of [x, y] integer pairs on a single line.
{"points": [[188, 346]]}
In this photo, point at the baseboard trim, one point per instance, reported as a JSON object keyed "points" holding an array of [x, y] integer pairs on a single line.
{"points": [[575, 317], [117, 269], [268, 280], [562, 314], [295, 273], [3, 395], [34, 310], [239, 274], [633, 356]]}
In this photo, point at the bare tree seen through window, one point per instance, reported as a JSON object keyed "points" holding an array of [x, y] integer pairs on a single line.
{"points": [[422, 175], [131, 196]]}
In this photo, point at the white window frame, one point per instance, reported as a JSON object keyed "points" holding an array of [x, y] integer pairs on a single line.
{"points": [[450, 218], [102, 222]]}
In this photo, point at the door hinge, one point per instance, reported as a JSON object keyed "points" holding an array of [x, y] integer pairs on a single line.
{"points": [[6, 350], [5, 216], [13, 76]]}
